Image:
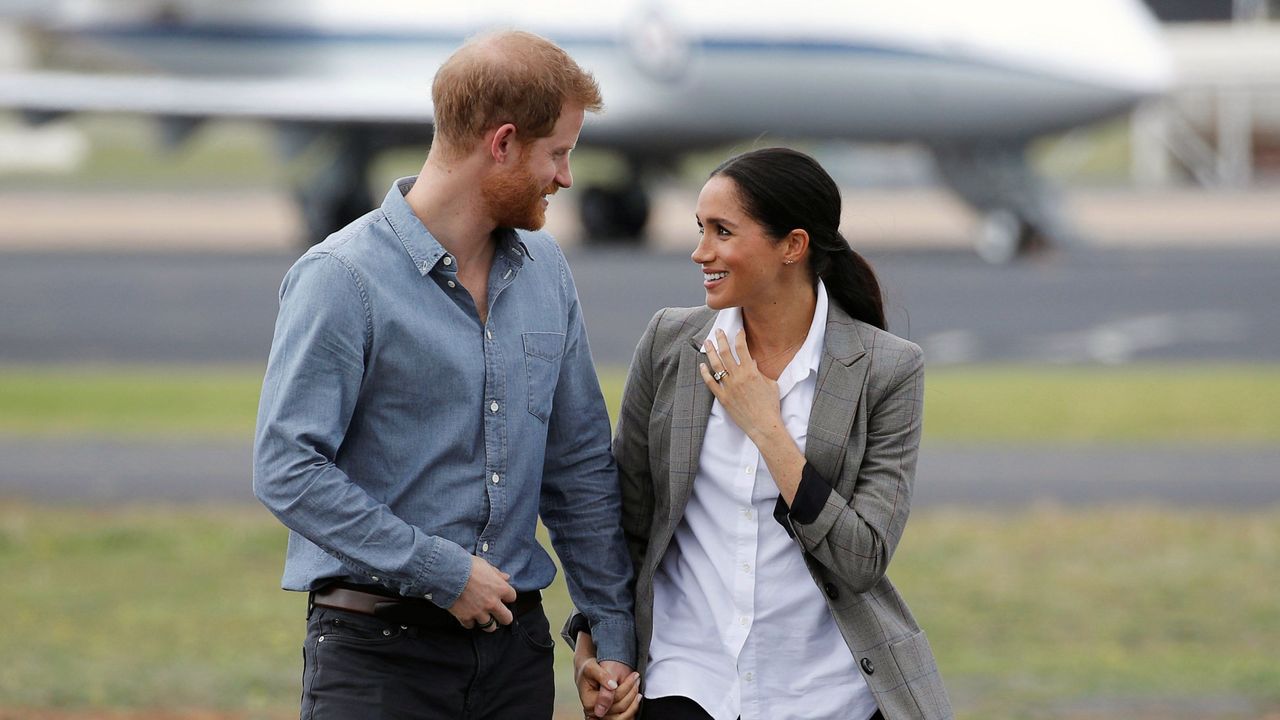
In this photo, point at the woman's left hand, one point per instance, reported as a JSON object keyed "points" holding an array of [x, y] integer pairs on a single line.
{"points": [[750, 398]]}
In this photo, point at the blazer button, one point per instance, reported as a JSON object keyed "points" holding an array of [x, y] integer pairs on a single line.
{"points": [[832, 591], [867, 666]]}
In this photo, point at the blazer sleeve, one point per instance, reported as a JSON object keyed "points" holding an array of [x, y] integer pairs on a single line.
{"points": [[631, 444], [854, 537], [631, 453]]}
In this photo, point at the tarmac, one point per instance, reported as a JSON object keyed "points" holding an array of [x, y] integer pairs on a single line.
{"points": [[92, 471]]}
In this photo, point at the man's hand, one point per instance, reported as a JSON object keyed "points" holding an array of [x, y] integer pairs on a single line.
{"points": [[608, 690], [481, 603]]}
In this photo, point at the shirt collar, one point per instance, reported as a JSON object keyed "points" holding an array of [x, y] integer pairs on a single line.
{"points": [[806, 359], [809, 356], [423, 248]]}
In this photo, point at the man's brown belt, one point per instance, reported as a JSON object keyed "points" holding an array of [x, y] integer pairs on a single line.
{"points": [[403, 610]]}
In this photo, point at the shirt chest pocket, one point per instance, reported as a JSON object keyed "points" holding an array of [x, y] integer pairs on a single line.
{"points": [[542, 353]]}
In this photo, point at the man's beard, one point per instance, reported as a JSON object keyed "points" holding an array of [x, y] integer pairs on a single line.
{"points": [[515, 199]]}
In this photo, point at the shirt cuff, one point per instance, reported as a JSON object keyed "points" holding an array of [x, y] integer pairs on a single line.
{"points": [[615, 640], [811, 497], [444, 575]]}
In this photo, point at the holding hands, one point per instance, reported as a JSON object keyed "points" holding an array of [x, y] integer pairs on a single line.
{"points": [[609, 690]]}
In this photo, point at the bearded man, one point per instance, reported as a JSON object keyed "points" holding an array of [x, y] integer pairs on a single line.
{"points": [[429, 395]]}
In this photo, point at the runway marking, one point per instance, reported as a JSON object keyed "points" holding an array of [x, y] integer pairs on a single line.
{"points": [[1119, 341], [951, 346]]}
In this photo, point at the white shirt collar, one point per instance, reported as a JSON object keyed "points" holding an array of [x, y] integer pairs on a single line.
{"points": [[806, 359]]}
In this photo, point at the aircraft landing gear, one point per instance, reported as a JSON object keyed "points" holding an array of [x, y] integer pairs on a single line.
{"points": [[1003, 236], [614, 215], [338, 194], [1020, 214], [324, 213]]}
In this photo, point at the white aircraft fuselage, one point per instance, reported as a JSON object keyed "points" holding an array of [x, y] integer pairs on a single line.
{"points": [[959, 77], [700, 72]]}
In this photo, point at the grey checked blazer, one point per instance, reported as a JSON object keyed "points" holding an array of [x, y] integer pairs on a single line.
{"points": [[863, 434]]}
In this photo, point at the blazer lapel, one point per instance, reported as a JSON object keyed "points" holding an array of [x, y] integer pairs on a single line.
{"points": [[841, 375], [689, 415]]}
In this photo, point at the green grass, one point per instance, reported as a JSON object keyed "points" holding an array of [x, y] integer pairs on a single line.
{"points": [[1191, 403], [1051, 607], [1031, 614], [157, 607], [175, 402]]}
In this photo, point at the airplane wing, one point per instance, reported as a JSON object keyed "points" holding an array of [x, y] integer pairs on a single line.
{"points": [[292, 99]]}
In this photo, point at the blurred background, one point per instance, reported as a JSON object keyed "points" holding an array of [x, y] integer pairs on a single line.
{"points": [[1073, 207]]}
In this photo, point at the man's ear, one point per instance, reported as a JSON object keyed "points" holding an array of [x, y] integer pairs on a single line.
{"points": [[502, 143]]}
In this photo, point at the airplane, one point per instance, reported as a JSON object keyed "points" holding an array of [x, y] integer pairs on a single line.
{"points": [[974, 82]]}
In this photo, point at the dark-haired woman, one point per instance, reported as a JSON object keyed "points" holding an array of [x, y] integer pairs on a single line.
{"points": [[767, 448]]}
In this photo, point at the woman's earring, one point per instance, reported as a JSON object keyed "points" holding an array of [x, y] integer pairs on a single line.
{"points": [[787, 262]]}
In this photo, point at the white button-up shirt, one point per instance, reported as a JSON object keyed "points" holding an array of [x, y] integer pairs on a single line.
{"points": [[739, 625]]}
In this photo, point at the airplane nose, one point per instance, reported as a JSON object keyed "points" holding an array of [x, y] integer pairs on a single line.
{"points": [[1107, 55]]}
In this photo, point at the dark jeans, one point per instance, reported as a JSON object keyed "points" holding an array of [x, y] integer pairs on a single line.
{"points": [[358, 666], [678, 707]]}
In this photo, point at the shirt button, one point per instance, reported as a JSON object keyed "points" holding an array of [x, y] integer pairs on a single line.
{"points": [[488, 333], [749, 469], [447, 260], [484, 547], [452, 284], [493, 406], [746, 567], [749, 677], [742, 620], [427, 596], [373, 578], [496, 478]]}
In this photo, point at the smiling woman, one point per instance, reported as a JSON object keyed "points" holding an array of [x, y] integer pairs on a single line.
{"points": [[739, 445]]}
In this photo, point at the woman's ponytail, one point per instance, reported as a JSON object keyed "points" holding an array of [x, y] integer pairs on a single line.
{"points": [[852, 284]]}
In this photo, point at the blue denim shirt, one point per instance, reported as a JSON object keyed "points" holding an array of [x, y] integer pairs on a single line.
{"points": [[397, 435]]}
